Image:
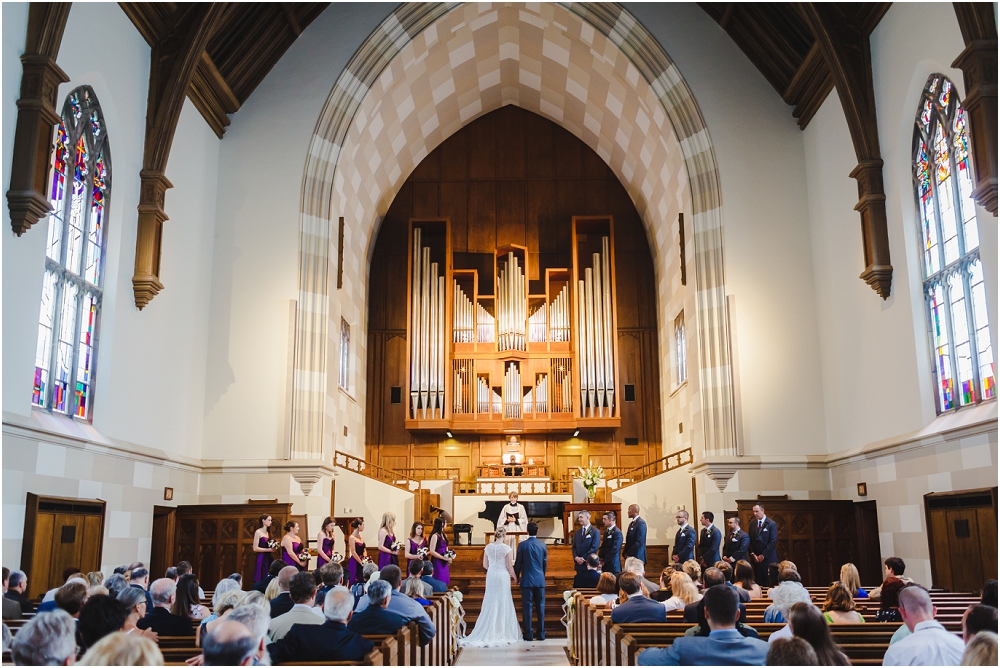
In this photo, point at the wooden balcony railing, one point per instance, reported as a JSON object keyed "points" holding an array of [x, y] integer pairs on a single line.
{"points": [[619, 479], [432, 473], [375, 472]]}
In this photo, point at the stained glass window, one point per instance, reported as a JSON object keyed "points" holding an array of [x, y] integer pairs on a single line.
{"points": [[344, 377], [680, 349], [955, 295], [74, 260]]}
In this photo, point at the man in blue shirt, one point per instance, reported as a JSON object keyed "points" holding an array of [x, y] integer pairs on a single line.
{"points": [[724, 644], [438, 586], [403, 605]]}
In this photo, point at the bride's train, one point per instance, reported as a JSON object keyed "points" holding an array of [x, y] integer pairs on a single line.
{"points": [[497, 624]]}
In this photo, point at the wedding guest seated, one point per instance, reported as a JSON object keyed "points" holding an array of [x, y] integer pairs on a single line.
{"points": [[256, 618], [638, 608], [184, 568], [981, 650], [403, 605], [160, 619], [791, 652], [850, 578], [437, 585], [743, 578], [302, 590], [139, 578], [989, 594], [608, 588], [16, 586], [928, 644], [94, 578], [888, 600], [272, 573], [376, 619], [839, 607], [693, 569], [788, 592], [172, 573], [186, 598], [589, 578], [723, 646], [415, 590], [99, 616], [222, 604], [282, 603], [894, 568], [806, 621], [978, 618], [46, 640], [230, 644], [237, 578], [727, 574], [71, 597], [664, 593], [633, 565], [416, 571], [122, 649], [330, 641], [67, 574], [11, 608], [684, 592], [116, 584], [133, 602], [50, 605], [694, 612]]}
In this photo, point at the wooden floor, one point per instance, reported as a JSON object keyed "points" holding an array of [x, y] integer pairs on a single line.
{"points": [[550, 652]]}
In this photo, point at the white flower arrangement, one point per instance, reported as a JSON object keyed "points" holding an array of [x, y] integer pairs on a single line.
{"points": [[590, 477], [336, 557], [423, 552], [396, 546], [365, 560], [450, 554], [273, 544]]}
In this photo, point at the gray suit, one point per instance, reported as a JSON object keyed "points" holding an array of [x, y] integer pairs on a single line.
{"points": [[282, 624]]}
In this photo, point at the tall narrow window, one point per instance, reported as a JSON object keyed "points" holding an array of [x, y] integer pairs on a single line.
{"points": [[958, 323], [680, 349], [66, 351], [345, 356]]}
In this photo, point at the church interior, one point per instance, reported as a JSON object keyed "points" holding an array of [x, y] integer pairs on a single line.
{"points": [[349, 259]]}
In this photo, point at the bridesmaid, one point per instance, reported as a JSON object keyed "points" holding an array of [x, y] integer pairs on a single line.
{"points": [[265, 554], [386, 537], [415, 542], [324, 543], [291, 546], [356, 550], [438, 546]]}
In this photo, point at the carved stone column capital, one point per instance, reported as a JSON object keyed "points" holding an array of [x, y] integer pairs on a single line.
{"points": [[874, 226], [152, 194]]}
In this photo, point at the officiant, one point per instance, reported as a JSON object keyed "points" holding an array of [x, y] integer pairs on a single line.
{"points": [[513, 517]]}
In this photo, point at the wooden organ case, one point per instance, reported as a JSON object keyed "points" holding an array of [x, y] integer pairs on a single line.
{"points": [[488, 355]]}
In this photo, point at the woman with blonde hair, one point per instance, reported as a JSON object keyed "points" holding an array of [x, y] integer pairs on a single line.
{"points": [[683, 592], [981, 650], [123, 649], [273, 589], [849, 578], [839, 608], [693, 570], [222, 604], [386, 537], [255, 598], [95, 578]]}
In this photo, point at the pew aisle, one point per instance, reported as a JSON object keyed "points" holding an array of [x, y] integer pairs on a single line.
{"points": [[550, 652]]}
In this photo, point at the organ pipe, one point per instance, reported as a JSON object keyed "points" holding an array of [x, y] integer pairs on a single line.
{"points": [[512, 307], [594, 336], [464, 316], [427, 347], [536, 325], [512, 392], [485, 325], [559, 316]]}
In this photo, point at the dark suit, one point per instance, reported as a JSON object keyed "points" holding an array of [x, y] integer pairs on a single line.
{"points": [[530, 566], [684, 544], [166, 624], [635, 539], [330, 641], [708, 546], [610, 551], [585, 543], [149, 599], [736, 546], [763, 541], [26, 605], [588, 579], [639, 610], [725, 648], [436, 585], [11, 609], [694, 613], [262, 585], [281, 604], [374, 620]]}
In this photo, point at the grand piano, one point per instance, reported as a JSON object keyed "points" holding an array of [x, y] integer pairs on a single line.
{"points": [[535, 509]]}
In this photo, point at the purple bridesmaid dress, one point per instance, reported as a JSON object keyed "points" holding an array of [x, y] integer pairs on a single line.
{"points": [[287, 558], [355, 569], [384, 558], [264, 560], [327, 549], [414, 546], [442, 569]]}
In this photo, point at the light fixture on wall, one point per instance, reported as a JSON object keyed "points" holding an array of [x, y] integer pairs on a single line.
{"points": [[576, 432], [862, 489], [447, 432]]}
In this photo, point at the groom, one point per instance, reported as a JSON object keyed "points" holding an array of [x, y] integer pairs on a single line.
{"points": [[532, 560]]}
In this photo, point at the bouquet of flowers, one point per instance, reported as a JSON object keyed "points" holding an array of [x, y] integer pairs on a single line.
{"points": [[312, 551], [423, 552], [303, 552], [590, 477], [365, 560], [273, 544], [450, 554], [337, 557], [396, 546]]}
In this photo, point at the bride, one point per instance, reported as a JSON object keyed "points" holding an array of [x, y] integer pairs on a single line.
{"points": [[497, 622]]}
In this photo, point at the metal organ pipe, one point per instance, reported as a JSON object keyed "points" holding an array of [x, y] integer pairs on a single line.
{"points": [[593, 320], [559, 317], [609, 366], [512, 392], [512, 307], [427, 348]]}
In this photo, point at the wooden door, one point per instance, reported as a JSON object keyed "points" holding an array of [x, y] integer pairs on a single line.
{"points": [[162, 545], [59, 533], [962, 536]]}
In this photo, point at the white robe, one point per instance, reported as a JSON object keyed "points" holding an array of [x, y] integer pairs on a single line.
{"points": [[520, 524]]}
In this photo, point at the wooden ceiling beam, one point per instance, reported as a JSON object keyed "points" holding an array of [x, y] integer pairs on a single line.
{"points": [[212, 96], [174, 60], [37, 115], [293, 22], [809, 87], [978, 63], [846, 48]]}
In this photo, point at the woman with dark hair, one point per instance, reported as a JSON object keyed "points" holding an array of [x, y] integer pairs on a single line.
{"points": [[415, 543], [356, 551], [187, 604], [888, 603], [438, 550], [743, 578], [265, 553], [989, 594], [806, 622], [99, 616], [291, 546], [324, 543]]}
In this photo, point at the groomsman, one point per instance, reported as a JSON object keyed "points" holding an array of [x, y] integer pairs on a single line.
{"points": [[763, 544], [611, 546], [684, 540], [585, 542], [711, 540], [635, 537], [736, 544]]}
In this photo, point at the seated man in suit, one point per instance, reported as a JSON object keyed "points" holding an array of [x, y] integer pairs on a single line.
{"points": [[724, 644], [695, 612], [436, 585], [229, 644], [375, 619], [330, 641], [403, 605], [588, 579], [16, 587], [727, 574], [638, 609], [302, 590], [633, 565], [163, 592], [283, 602]]}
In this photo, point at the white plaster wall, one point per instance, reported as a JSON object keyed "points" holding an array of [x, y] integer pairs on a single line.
{"points": [[659, 499], [256, 253], [358, 496], [875, 354], [759, 150]]}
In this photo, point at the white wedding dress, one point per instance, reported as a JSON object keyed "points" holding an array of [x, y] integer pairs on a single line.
{"points": [[497, 622]]}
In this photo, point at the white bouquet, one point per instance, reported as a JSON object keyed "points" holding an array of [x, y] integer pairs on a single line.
{"points": [[396, 546], [423, 552], [450, 554], [590, 477]]}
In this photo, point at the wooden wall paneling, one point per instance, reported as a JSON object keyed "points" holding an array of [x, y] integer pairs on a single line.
{"points": [[483, 157], [455, 158], [629, 371], [482, 216], [426, 461], [510, 216], [569, 156], [539, 148], [426, 197], [428, 169], [373, 399], [394, 298], [596, 199], [394, 373], [649, 398], [463, 462], [42, 576], [628, 290], [454, 204], [986, 519], [510, 145], [162, 546]]}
